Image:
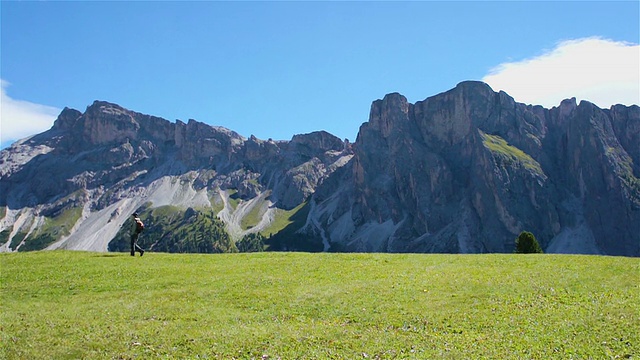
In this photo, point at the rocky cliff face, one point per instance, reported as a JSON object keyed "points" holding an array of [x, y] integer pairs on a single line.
{"points": [[469, 169], [463, 171], [75, 185]]}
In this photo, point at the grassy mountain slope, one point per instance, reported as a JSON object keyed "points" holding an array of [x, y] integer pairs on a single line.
{"points": [[171, 229], [62, 304]]}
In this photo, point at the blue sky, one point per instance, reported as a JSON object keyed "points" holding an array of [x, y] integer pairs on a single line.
{"points": [[276, 69]]}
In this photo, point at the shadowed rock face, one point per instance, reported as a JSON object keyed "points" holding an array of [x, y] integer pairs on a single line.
{"points": [[469, 169], [462, 171]]}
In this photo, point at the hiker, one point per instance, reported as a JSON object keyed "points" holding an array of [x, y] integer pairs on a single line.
{"points": [[138, 226]]}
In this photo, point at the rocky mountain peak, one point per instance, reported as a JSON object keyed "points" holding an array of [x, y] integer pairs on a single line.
{"points": [[67, 119], [448, 118], [468, 169], [389, 113], [462, 171], [106, 123], [474, 88], [317, 141]]}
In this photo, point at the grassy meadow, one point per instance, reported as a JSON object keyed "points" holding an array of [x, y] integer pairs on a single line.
{"points": [[80, 305]]}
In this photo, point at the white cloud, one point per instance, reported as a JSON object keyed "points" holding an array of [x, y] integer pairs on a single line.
{"points": [[19, 119], [601, 71]]}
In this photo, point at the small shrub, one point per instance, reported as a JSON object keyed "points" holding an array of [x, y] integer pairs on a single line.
{"points": [[526, 243]]}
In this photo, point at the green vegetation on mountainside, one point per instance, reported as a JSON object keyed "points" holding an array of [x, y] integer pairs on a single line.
{"points": [[251, 243], [52, 230], [175, 230], [71, 305], [217, 204], [287, 218], [282, 232], [17, 239], [4, 236], [170, 229], [234, 198], [253, 217], [508, 153], [624, 170]]}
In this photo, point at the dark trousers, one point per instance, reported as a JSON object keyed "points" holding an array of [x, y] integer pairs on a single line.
{"points": [[134, 244]]}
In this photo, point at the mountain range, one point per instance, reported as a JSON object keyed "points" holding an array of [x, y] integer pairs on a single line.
{"points": [[464, 171]]}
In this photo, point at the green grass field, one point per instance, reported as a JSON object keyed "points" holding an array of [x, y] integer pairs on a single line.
{"points": [[78, 305]]}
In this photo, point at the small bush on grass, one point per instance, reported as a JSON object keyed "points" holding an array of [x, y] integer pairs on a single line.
{"points": [[526, 243]]}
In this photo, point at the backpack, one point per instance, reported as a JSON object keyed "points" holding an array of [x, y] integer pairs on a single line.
{"points": [[139, 225]]}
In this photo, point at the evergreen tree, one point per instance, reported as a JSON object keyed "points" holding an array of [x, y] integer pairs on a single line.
{"points": [[526, 243], [251, 243]]}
